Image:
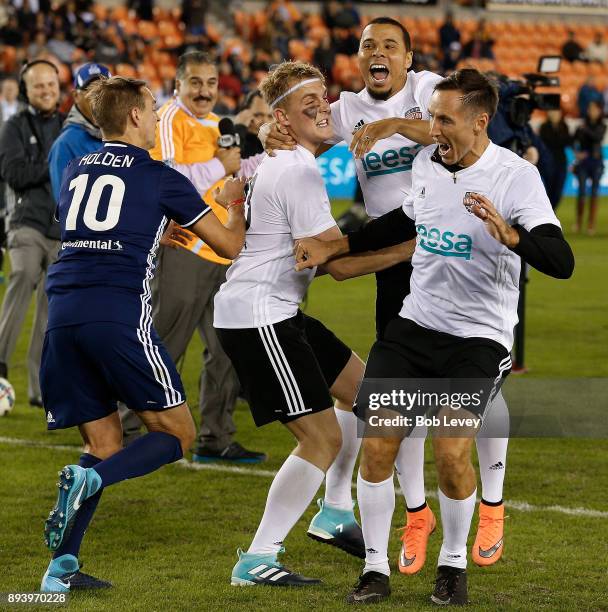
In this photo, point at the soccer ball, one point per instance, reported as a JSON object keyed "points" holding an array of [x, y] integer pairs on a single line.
{"points": [[7, 397]]}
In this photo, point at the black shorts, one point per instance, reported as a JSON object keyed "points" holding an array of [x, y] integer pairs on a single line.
{"points": [[392, 285], [409, 351], [286, 369]]}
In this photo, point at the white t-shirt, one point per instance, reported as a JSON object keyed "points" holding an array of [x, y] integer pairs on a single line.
{"points": [[286, 201], [465, 282], [385, 172]]}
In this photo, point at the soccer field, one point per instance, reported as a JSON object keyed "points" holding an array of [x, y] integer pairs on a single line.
{"points": [[168, 541]]}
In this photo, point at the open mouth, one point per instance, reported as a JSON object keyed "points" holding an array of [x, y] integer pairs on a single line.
{"points": [[379, 73], [444, 148], [323, 123]]}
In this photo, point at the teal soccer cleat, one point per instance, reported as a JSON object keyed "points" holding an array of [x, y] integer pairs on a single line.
{"points": [[337, 528], [63, 575], [253, 570], [75, 484]]}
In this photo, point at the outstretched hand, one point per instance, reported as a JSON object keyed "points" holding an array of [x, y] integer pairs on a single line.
{"points": [[497, 227]]}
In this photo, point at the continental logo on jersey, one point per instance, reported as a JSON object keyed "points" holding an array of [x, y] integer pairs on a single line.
{"points": [[446, 244], [413, 113], [99, 245], [391, 160]]}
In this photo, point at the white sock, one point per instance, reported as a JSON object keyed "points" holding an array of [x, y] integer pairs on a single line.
{"points": [[492, 451], [456, 515], [339, 477], [291, 492], [376, 505], [410, 467]]}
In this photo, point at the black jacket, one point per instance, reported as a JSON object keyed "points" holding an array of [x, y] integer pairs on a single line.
{"points": [[25, 140]]}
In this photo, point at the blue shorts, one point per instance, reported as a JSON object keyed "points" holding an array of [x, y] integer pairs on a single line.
{"points": [[87, 368]]}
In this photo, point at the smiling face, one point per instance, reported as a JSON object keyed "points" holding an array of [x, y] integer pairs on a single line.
{"points": [[198, 89], [456, 128], [383, 60], [306, 113], [42, 86]]}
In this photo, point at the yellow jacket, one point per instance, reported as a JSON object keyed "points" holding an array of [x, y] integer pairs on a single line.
{"points": [[181, 138]]}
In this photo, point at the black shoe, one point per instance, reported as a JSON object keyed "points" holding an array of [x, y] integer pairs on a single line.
{"points": [[372, 587], [233, 452], [3, 370], [450, 587], [80, 580], [36, 402]]}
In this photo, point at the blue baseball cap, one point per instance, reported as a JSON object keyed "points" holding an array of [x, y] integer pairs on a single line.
{"points": [[89, 72]]}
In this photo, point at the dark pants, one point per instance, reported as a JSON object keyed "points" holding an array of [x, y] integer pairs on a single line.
{"points": [[392, 285], [555, 182], [589, 169]]}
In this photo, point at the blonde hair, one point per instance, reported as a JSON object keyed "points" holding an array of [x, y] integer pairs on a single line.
{"points": [[112, 99], [287, 74]]}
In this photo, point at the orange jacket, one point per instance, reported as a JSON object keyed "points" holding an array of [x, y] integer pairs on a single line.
{"points": [[181, 138]]}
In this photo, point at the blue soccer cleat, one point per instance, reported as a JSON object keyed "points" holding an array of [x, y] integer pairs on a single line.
{"points": [[63, 575], [75, 484], [253, 570], [337, 528]]}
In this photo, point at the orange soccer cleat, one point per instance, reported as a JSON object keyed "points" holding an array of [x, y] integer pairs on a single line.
{"points": [[415, 537], [489, 542]]}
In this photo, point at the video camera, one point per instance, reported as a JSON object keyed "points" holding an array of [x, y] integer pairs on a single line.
{"points": [[522, 98]]}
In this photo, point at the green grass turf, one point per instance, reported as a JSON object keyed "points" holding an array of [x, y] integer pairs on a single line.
{"points": [[168, 540]]}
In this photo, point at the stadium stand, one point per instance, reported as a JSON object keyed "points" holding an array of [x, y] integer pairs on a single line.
{"points": [[254, 40]]}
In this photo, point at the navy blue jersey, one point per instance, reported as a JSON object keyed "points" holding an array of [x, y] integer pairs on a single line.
{"points": [[114, 206]]}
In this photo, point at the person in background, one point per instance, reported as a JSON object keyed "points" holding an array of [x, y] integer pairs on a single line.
{"points": [[571, 50], [586, 94], [597, 51], [589, 164], [248, 122], [9, 105], [451, 57], [448, 33], [33, 232], [79, 135], [556, 136]]}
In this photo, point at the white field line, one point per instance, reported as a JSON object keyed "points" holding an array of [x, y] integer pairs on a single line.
{"points": [[522, 506]]}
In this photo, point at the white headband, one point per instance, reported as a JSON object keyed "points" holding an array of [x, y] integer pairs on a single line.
{"points": [[292, 89]]}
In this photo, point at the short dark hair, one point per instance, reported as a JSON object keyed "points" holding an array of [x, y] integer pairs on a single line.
{"points": [[193, 57], [478, 91], [390, 21], [250, 97]]}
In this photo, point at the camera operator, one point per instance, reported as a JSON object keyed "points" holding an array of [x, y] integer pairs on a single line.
{"points": [[33, 232]]}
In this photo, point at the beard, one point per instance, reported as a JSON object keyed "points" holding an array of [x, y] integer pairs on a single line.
{"points": [[379, 95]]}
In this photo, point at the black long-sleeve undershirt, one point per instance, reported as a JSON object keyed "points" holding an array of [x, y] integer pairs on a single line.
{"points": [[544, 247]]}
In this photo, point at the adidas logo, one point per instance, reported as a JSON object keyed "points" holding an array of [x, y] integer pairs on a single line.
{"points": [[498, 466], [359, 125], [371, 551], [49, 417]]}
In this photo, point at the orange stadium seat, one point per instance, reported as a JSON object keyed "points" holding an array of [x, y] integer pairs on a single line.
{"points": [[147, 72], [167, 28], [100, 11], [147, 30], [125, 70], [128, 26], [172, 42], [119, 12], [9, 59]]}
